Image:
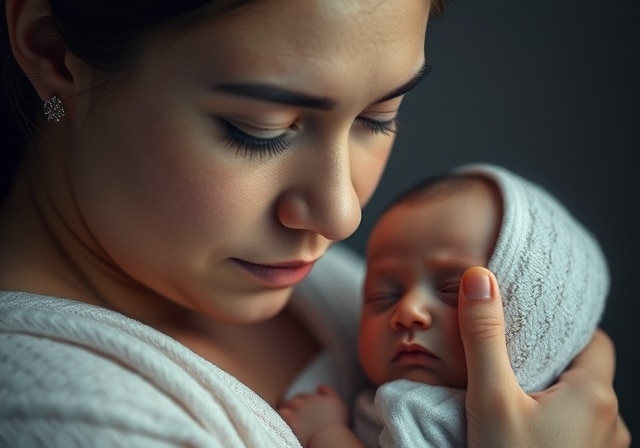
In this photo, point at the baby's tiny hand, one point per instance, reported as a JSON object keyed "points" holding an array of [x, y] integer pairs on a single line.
{"points": [[309, 413]]}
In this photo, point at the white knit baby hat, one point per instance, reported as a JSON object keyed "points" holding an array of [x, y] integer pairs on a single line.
{"points": [[553, 278]]}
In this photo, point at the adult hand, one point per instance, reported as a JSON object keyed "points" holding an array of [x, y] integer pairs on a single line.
{"points": [[580, 409]]}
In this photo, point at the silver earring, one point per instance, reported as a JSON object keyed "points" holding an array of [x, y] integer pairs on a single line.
{"points": [[53, 109]]}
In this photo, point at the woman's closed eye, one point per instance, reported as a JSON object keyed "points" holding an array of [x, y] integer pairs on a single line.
{"points": [[384, 127], [251, 141]]}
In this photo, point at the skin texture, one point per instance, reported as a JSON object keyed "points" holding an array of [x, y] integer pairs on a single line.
{"points": [[416, 255], [425, 284], [137, 202], [145, 189], [319, 419]]}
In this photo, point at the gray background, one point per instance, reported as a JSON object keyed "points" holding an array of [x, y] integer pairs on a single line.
{"points": [[551, 90]]}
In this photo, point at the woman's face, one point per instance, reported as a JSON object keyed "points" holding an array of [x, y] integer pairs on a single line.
{"points": [[234, 154]]}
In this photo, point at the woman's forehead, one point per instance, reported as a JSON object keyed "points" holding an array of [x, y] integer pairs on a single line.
{"points": [[319, 44]]}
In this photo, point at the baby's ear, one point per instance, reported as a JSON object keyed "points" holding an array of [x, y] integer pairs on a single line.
{"points": [[38, 48]]}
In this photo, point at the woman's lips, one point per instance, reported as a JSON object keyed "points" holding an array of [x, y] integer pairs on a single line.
{"points": [[281, 275]]}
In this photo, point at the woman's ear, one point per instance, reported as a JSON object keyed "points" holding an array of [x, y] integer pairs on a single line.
{"points": [[38, 48]]}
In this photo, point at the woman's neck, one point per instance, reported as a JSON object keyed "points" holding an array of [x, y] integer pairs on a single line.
{"points": [[46, 250]]}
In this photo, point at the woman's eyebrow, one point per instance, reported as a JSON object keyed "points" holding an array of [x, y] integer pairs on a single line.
{"points": [[273, 94], [422, 73]]}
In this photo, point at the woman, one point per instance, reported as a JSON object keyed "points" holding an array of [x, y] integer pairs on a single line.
{"points": [[193, 162]]}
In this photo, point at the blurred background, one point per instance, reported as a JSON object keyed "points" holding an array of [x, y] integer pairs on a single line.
{"points": [[551, 90]]}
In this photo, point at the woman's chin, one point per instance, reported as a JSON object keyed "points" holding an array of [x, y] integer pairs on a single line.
{"points": [[259, 308]]}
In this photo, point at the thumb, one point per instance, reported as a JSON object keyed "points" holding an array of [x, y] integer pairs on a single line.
{"points": [[482, 331]]}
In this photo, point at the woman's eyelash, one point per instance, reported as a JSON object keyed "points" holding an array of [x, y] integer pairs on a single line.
{"points": [[249, 146], [389, 127]]}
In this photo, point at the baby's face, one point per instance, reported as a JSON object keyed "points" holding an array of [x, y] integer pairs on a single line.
{"points": [[416, 256]]}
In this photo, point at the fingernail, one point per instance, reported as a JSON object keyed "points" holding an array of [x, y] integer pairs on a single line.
{"points": [[477, 286]]}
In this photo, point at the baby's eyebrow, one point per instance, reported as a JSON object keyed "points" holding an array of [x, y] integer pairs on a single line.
{"points": [[275, 94], [454, 265]]}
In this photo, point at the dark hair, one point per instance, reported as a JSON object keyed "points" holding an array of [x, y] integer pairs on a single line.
{"points": [[105, 34]]}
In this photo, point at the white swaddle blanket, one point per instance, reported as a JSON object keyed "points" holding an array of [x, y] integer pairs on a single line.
{"points": [[554, 282]]}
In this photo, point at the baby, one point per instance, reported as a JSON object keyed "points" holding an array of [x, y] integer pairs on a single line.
{"points": [[554, 283]]}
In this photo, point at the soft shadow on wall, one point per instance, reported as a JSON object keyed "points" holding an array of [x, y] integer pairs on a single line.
{"points": [[552, 91]]}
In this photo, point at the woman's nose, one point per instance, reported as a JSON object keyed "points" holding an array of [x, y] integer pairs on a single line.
{"points": [[322, 197], [412, 312]]}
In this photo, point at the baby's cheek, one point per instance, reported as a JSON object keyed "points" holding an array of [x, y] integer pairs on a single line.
{"points": [[371, 352]]}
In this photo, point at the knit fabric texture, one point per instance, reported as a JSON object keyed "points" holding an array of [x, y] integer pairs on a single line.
{"points": [[554, 282], [553, 277], [77, 375]]}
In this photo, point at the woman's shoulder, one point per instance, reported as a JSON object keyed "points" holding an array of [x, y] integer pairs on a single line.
{"points": [[81, 373], [71, 374]]}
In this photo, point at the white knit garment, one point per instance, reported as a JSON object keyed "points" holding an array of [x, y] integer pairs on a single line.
{"points": [[553, 277], [554, 282], [74, 375]]}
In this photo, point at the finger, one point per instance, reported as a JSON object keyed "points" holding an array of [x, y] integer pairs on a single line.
{"points": [[598, 358], [482, 331]]}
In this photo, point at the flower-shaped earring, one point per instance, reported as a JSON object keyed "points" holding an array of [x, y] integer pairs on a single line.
{"points": [[53, 109]]}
